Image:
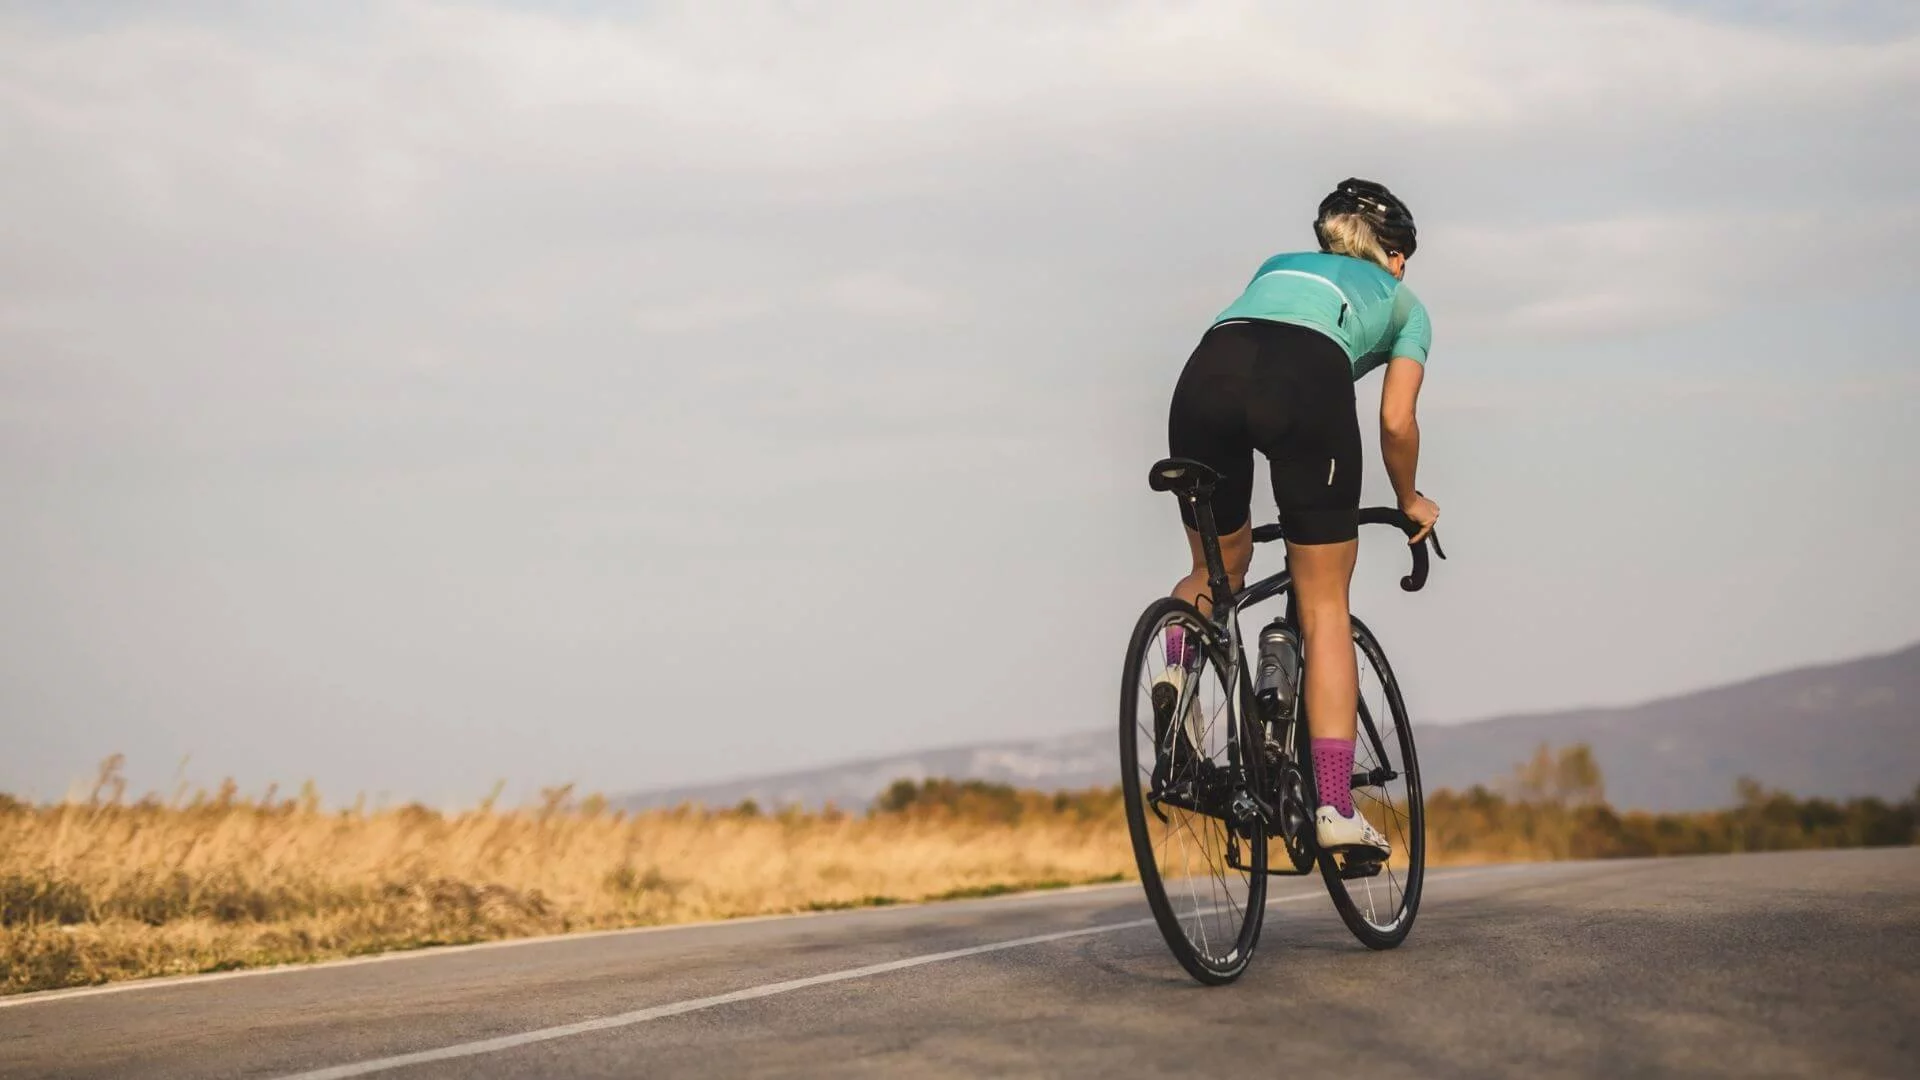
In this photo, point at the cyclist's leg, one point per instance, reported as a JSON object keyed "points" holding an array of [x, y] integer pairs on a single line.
{"points": [[1321, 574], [1236, 551], [1208, 423], [1316, 483]]}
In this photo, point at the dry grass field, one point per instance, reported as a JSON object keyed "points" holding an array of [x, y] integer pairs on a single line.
{"points": [[99, 888]]}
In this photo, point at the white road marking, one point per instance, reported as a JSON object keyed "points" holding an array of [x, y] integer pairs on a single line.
{"points": [[678, 1008], [47, 997]]}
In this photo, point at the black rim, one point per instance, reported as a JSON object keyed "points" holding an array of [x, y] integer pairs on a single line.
{"points": [[1205, 881]]}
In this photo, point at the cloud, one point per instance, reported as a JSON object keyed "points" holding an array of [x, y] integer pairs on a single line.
{"points": [[867, 294], [422, 157], [378, 320], [695, 314], [779, 79], [1644, 270], [278, 231], [881, 295]]}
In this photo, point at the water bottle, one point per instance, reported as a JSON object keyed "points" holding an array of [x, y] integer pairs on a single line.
{"points": [[1277, 675]]}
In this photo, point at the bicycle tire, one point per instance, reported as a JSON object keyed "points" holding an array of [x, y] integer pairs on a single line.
{"points": [[1211, 959], [1404, 816]]}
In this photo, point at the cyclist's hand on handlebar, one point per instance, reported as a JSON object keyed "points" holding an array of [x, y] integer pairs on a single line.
{"points": [[1424, 512]]}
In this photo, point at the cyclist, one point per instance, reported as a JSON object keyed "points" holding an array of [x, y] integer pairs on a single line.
{"points": [[1276, 373]]}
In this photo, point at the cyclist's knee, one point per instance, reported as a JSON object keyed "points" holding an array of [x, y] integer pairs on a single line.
{"points": [[1236, 550], [1236, 555]]}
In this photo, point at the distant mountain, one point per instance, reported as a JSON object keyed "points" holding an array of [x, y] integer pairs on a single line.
{"points": [[1838, 730], [1080, 760]]}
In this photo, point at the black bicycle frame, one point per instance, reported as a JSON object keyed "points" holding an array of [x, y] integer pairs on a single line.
{"points": [[1257, 593], [1217, 584], [1225, 617]]}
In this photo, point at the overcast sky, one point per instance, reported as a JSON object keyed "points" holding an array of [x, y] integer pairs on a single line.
{"points": [[411, 395]]}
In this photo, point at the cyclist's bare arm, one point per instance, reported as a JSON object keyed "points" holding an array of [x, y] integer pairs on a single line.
{"points": [[1400, 439]]}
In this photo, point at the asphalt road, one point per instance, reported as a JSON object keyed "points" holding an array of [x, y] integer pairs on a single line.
{"points": [[1751, 965]]}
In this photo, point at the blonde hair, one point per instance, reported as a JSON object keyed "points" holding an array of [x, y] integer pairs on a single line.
{"points": [[1353, 235]]}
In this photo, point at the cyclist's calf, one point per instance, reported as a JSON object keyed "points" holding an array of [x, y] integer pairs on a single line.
{"points": [[1321, 573], [1236, 553]]}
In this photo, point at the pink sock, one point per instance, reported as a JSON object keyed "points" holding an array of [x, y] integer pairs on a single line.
{"points": [[1333, 772], [1182, 652]]}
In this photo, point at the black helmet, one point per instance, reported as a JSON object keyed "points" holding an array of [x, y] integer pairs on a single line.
{"points": [[1391, 220]]}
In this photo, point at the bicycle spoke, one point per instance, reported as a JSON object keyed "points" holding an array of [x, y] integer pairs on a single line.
{"points": [[1180, 829], [1194, 896]]}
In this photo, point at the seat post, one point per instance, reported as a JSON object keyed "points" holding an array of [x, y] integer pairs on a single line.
{"points": [[1218, 586]]}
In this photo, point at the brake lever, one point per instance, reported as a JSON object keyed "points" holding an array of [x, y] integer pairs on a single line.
{"points": [[1434, 535]]}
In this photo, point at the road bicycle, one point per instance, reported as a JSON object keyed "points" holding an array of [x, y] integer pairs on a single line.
{"points": [[1218, 780]]}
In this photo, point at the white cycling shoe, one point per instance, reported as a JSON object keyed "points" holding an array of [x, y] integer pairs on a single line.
{"points": [[1355, 834], [1167, 687]]}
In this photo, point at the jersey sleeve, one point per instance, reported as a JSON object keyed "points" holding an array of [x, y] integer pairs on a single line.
{"points": [[1413, 333]]}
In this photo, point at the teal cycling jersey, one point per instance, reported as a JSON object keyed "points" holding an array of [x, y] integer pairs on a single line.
{"points": [[1369, 312]]}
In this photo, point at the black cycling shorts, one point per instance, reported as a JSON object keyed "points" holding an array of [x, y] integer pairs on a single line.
{"points": [[1286, 391]]}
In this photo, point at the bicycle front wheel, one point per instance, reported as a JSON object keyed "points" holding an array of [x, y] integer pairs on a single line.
{"points": [[1186, 751], [1378, 899]]}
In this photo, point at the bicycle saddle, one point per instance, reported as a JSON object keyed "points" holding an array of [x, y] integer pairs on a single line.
{"points": [[1182, 476]]}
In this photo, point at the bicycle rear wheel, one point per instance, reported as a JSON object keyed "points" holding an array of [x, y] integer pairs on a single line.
{"points": [[1378, 900], [1185, 746]]}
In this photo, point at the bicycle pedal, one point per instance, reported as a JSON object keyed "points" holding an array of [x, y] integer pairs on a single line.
{"points": [[1353, 869]]}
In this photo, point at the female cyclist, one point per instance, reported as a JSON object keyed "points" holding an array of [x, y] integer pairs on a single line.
{"points": [[1275, 373]]}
